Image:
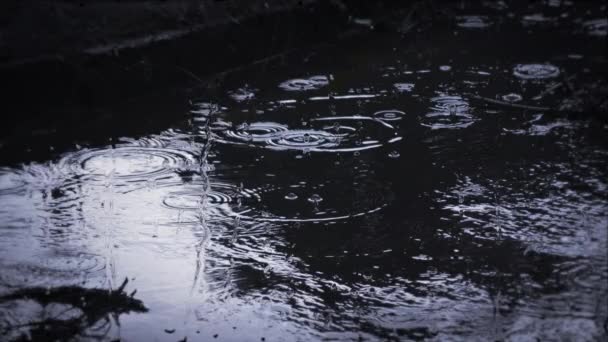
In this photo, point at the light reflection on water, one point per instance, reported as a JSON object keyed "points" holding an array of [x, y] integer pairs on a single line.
{"points": [[421, 205]]}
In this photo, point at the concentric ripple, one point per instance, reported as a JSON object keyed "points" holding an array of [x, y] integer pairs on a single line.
{"points": [[257, 131], [327, 134], [512, 97], [191, 196], [389, 115], [359, 197], [276, 203], [597, 27], [304, 139], [450, 112], [127, 163], [535, 71], [303, 84]]}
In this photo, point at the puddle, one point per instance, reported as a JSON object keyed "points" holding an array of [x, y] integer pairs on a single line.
{"points": [[429, 192]]}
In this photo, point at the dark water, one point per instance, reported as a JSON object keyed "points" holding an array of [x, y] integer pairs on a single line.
{"points": [[434, 186]]}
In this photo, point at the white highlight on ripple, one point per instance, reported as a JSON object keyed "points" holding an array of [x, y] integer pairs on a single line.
{"points": [[389, 115], [304, 84], [355, 117], [535, 71], [317, 219], [257, 131], [343, 97], [472, 21], [242, 94], [450, 112], [512, 97], [336, 97], [190, 196], [596, 27], [127, 163], [404, 87], [304, 139], [338, 137], [10, 181]]}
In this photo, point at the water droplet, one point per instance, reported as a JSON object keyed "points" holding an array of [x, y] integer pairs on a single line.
{"points": [[394, 154]]}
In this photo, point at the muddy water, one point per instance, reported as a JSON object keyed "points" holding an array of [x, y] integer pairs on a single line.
{"points": [[429, 187]]}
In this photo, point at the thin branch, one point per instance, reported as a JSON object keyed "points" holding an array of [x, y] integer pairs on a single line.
{"points": [[508, 104]]}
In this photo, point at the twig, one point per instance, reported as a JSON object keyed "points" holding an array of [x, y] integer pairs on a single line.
{"points": [[122, 286], [549, 89], [508, 104]]}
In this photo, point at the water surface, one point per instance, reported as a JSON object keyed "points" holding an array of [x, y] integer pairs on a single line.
{"points": [[432, 186]]}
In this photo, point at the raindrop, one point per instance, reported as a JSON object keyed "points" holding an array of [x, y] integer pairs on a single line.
{"points": [[291, 196]]}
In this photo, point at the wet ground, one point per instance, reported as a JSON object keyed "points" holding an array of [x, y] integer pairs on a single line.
{"points": [[448, 184]]}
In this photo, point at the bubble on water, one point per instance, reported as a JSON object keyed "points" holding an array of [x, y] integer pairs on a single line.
{"points": [[512, 97], [303, 84], [291, 196], [394, 154], [535, 71], [132, 164], [389, 115], [472, 21], [596, 27], [404, 87], [451, 112]]}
